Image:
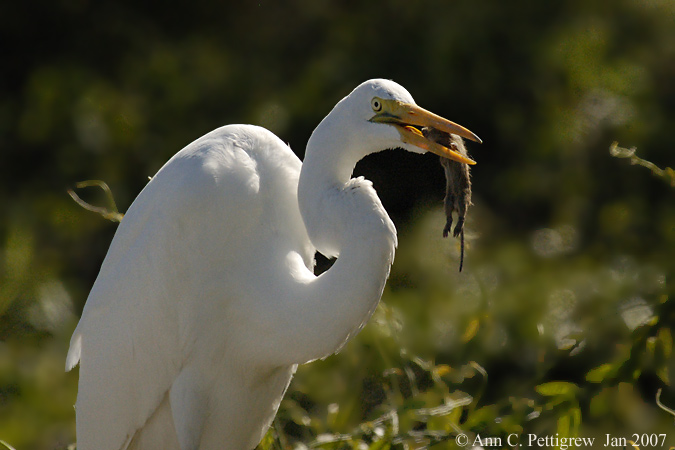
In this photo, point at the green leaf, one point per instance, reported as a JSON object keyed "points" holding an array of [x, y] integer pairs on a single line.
{"points": [[382, 444], [575, 420], [665, 340], [471, 330], [650, 345], [563, 428], [557, 388], [568, 423], [484, 415], [413, 404], [600, 373], [600, 403], [664, 374]]}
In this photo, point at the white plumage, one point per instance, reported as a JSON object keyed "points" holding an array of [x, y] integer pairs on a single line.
{"points": [[206, 300]]}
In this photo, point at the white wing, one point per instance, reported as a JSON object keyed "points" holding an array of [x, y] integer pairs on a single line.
{"points": [[193, 225]]}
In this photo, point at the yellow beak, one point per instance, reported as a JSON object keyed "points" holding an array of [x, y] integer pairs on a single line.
{"points": [[409, 118]]}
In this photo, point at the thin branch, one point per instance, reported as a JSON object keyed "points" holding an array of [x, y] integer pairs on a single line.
{"points": [[111, 213], [667, 174], [6, 445], [661, 405]]}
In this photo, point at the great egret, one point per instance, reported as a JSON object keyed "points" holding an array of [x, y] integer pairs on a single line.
{"points": [[206, 301]]}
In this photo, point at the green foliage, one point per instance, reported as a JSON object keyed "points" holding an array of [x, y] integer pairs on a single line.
{"points": [[396, 398]]}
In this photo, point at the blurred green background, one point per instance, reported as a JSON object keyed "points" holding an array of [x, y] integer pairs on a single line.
{"points": [[561, 321]]}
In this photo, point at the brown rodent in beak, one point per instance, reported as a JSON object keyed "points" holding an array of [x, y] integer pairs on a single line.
{"points": [[458, 185]]}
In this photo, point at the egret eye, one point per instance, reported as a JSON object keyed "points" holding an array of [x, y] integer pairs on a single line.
{"points": [[376, 104]]}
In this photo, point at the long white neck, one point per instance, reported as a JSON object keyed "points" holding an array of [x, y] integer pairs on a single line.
{"points": [[344, 218]]}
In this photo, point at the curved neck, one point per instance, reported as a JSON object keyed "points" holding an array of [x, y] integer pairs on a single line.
{"points": [[343, 217], [336, 209]]}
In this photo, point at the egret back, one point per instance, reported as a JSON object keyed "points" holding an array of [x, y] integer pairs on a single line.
{"points": [[193, 234]]}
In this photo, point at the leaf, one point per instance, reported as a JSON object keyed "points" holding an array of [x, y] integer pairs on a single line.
{"points": [[650, 345], [557, 388], [575, 419], [442, 369], [471, 330], [412, 404], [670, 173], [563, 429], [663, 374], [480, 416], [600, 373], [382, 444], [665, 340], [600, 403]]}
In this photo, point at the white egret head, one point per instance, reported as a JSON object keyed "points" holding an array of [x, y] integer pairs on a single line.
{"points": [[380, 114]]}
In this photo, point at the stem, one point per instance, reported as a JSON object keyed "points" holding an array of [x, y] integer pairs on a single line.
{"points": [[111, 213], [667, 174]]}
